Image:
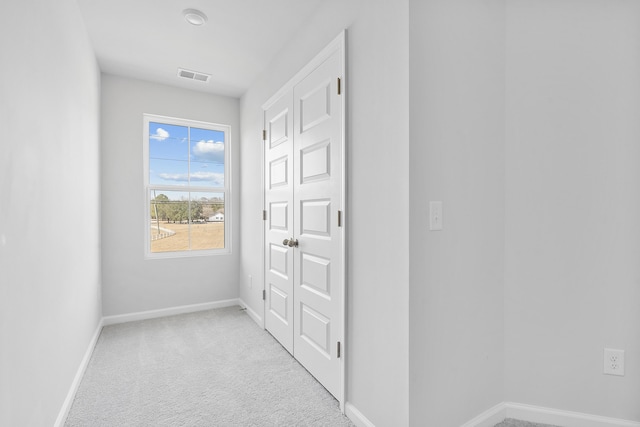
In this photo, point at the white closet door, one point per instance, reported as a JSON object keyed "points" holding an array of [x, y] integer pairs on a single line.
{"points": [[317, 267], [279, 226]]}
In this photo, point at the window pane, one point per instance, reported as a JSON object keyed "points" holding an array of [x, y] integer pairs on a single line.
{"points": [[168, 154], [179, 223], [207, 229], [168, 141], [168, 172], [169, 221], [207, 157], [207, 174]]}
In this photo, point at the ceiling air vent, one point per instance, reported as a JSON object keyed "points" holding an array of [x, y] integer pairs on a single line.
{"points": [[193, 75]]}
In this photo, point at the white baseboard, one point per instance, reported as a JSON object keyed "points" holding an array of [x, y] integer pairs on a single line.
{"points": [[488, 418], [538, 414], [252, 314], [356, 416], [171, 311], [68, 401]]}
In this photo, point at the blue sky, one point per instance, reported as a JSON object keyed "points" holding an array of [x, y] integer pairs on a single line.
{"points": [[176, 160]]}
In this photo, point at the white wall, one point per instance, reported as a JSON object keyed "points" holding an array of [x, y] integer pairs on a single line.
{"points": [[457, 157], [49, 211], [378, 148], [573, 204], [131, 283]]}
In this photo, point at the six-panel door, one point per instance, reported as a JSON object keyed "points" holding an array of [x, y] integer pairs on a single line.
{"points": [[317, 267], [303, 199]]}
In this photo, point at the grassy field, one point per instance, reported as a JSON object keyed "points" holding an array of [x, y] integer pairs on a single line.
{"points": [[208, 235]]}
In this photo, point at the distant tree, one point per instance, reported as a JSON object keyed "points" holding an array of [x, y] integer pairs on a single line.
{"points": [[157, 208], [207, 210], [173, 211], [196, 210], [159, 205], [180, 211]]}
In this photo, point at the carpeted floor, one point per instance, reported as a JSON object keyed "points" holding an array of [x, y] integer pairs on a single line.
{"points": [[510, 422], [212, 368]]}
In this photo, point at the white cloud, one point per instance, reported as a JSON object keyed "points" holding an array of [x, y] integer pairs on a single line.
{"points": [[160, 135], [182, 177], [209, 151], [216, 178]]}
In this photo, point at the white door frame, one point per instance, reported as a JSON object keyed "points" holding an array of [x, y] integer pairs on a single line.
{"points": [[339, 43]]}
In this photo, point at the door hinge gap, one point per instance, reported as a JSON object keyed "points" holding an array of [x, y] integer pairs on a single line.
{"points": [[264, 135], [338, 348], [264, 295], [339, 86], [339, 218], [264, 215]]}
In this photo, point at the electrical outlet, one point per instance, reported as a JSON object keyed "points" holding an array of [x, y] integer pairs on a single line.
{"points": [[613, 362]]}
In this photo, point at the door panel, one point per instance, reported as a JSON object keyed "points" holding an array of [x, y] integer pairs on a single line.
{"points": [[279, 172], [315, 162], [279, 261], [278, 203], [278, 216], [317, 268], [278, 129], [278, 304], [315, 274], [315, 218], [315, 105], [315, 330]]}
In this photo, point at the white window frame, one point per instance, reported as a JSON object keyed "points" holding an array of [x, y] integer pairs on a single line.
{"points": [[226, 190]]}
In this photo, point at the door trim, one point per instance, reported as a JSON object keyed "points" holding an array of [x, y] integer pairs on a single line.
{"points": [[337, 44]]}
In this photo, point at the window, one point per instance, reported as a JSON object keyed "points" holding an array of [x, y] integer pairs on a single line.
{"points": [[186, 179]]}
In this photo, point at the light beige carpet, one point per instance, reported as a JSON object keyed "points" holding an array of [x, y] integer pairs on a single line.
{"points": [[212, 368]]}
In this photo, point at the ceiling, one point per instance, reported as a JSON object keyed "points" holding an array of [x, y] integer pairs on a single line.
{"points": [[150, 39]]}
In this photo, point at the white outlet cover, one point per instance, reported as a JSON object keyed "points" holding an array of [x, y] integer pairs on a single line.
{"points": [[613, 362]]}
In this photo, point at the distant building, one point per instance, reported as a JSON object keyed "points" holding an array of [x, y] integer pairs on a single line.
{"points": [[217, 217]]}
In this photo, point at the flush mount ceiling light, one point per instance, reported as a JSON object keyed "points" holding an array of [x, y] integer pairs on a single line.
{"points": [[194, 17]]}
